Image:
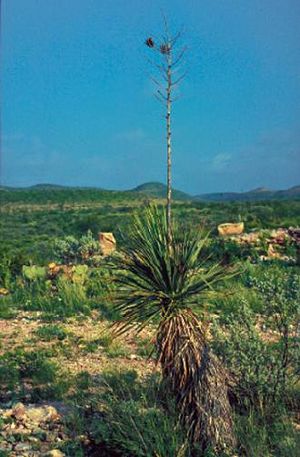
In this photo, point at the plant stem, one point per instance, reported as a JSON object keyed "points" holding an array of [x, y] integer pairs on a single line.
{"points": [[169, 150]]}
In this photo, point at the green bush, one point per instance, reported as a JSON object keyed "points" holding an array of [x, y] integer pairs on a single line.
{"points": [[229, 251], [11, 265], [100, 283], [71, 250], [66, 250], [89, 247], [80, 274], [262, 351], [253, 363], [279, 288], [72, 298]]}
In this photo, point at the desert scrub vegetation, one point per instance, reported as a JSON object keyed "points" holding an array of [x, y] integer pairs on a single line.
{"points": [[248, 321], [260, 347], [60, 292], [32, 219]]}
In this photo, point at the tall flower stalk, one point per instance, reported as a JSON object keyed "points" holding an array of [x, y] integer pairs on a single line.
{"points": [[168, 62]]}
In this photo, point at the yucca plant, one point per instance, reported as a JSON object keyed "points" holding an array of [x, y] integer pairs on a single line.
{"points": [[161, 284]]}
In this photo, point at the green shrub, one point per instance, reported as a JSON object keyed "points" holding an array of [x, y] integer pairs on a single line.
{"points": [[11, 265], [100, 288], [228, 296], [80, 274], [251, 361], [73, 250], [66, 250], [72, 297], [32, 295], [100, 283], [89, 247], [229, 250], [262, 351], [279, 289]]}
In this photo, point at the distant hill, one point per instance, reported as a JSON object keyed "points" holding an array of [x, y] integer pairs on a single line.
{"points": [[48, 187], [44, 194], [60, 193], [159, 190], [261, 193], [36, 187]]}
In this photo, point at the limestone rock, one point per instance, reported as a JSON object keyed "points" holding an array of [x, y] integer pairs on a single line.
{"points": [[42, 414], [279, 236], [19, 411], [294, 234], [22, 447], [107, 243], [231, 229], [3, 291], [271, 252], [249, 238], [54, 453]]}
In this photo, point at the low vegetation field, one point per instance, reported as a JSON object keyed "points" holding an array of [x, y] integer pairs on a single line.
{"points": [[69, 386]]}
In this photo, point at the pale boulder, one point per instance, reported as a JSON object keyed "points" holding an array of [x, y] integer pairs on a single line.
{"points": [[107, 243], [42, 414], [18, 411], [231, 229], [54, 453]]}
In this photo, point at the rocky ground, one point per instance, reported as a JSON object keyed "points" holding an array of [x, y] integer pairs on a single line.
{"points": [[32, 431], [80, 347]]}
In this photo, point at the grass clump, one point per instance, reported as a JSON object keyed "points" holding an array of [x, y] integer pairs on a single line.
{"points": [[143, 417], [262, 436], [103, 342], [32, 373], [63, 300], [51, 332], [117, 349], [113, 348], [7, 307], [145, 347]]}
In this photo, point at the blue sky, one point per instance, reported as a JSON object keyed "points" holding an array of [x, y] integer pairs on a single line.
{"points": [[78, 105]]}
